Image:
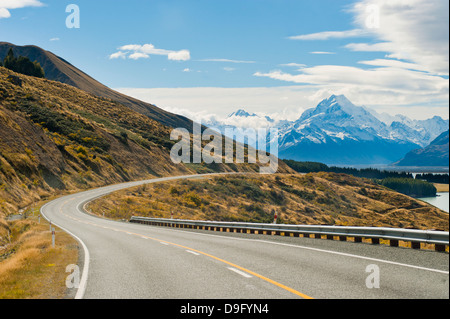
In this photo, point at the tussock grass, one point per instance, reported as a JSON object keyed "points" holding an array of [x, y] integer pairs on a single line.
{"points": [[312, 199], [30, 268]]}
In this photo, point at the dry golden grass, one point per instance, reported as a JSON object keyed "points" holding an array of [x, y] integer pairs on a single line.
{"points": [[30, 268], [320, 198], [442, 188], [55, 138]]}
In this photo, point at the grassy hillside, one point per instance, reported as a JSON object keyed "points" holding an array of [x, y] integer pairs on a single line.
{"points": [[316, 198], [58, 69], [55, 138]]}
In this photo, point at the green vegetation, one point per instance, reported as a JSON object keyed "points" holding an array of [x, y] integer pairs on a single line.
{"points": [[23, 65], [307, 167], [411, 187], [372, 173], [75, 129], [434, 178], [401, 182]]}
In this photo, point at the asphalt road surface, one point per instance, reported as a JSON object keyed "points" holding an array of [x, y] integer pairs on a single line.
{"points": [[132, 261]]}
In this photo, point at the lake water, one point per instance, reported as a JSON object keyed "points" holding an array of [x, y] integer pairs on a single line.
{"points": [[441, 201]]}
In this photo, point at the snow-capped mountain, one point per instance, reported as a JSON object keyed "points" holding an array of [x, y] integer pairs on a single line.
{"points": [[422, 132], [338, 132]]}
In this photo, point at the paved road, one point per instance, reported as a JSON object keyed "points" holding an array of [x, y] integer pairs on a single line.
{"points": [[123, 260]]}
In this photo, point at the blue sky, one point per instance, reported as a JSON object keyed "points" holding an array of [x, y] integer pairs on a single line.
{"points": [[203, 57]]}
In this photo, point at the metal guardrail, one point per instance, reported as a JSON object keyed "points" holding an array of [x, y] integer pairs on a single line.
{"points": [[439, 238]]}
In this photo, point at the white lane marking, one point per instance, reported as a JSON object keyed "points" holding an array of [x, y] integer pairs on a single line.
{"points": [[193, 252], [109, 189], [244, 274], [164, 243], [84, 276], [323, 251]]}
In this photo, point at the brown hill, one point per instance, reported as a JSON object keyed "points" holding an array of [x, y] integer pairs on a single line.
{"points": [[315, 198], [56, 138], [58, 69]]}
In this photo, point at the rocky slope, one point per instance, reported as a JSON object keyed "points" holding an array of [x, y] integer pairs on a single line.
{"points": [[435, 154]]}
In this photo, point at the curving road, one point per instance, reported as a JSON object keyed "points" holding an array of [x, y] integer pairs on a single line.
{"points": [[132, 261]]}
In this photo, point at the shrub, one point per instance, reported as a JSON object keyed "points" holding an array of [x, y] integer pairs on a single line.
{"points": [[410, 187], [23, 65]]}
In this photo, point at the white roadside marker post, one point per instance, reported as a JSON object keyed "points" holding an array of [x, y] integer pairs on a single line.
{"points": [[53, 237]]}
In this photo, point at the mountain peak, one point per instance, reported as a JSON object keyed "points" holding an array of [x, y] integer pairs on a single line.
{"points": [[338, 105], [241, 113], [338, 99]]}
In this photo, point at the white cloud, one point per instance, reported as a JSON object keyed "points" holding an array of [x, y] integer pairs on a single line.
{"points": [[138, 55], [6, 5], [4, 13], [394, 64], [284, 102], [295, 65], [118, 55], [384, 78], [183, 55], [415, 30], [214, 102], [373, 47], [54, 39], [226, 61], [321, 52], [137, 51], [327, 35]]}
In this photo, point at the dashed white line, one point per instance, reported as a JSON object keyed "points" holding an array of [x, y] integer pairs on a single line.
{"points": [[193, 252], [244, 274]]}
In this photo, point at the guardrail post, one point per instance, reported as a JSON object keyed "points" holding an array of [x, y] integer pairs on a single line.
{"points": [[375, 241], [393, 242], [358, 239], [415, 245], [440, 248]]}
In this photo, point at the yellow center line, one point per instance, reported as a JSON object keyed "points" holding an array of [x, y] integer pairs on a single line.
{"points": [[273, 282]]}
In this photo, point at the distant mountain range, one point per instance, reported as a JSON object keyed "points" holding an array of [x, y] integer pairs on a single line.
{"points": [[435, 154], [338, 132]]}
